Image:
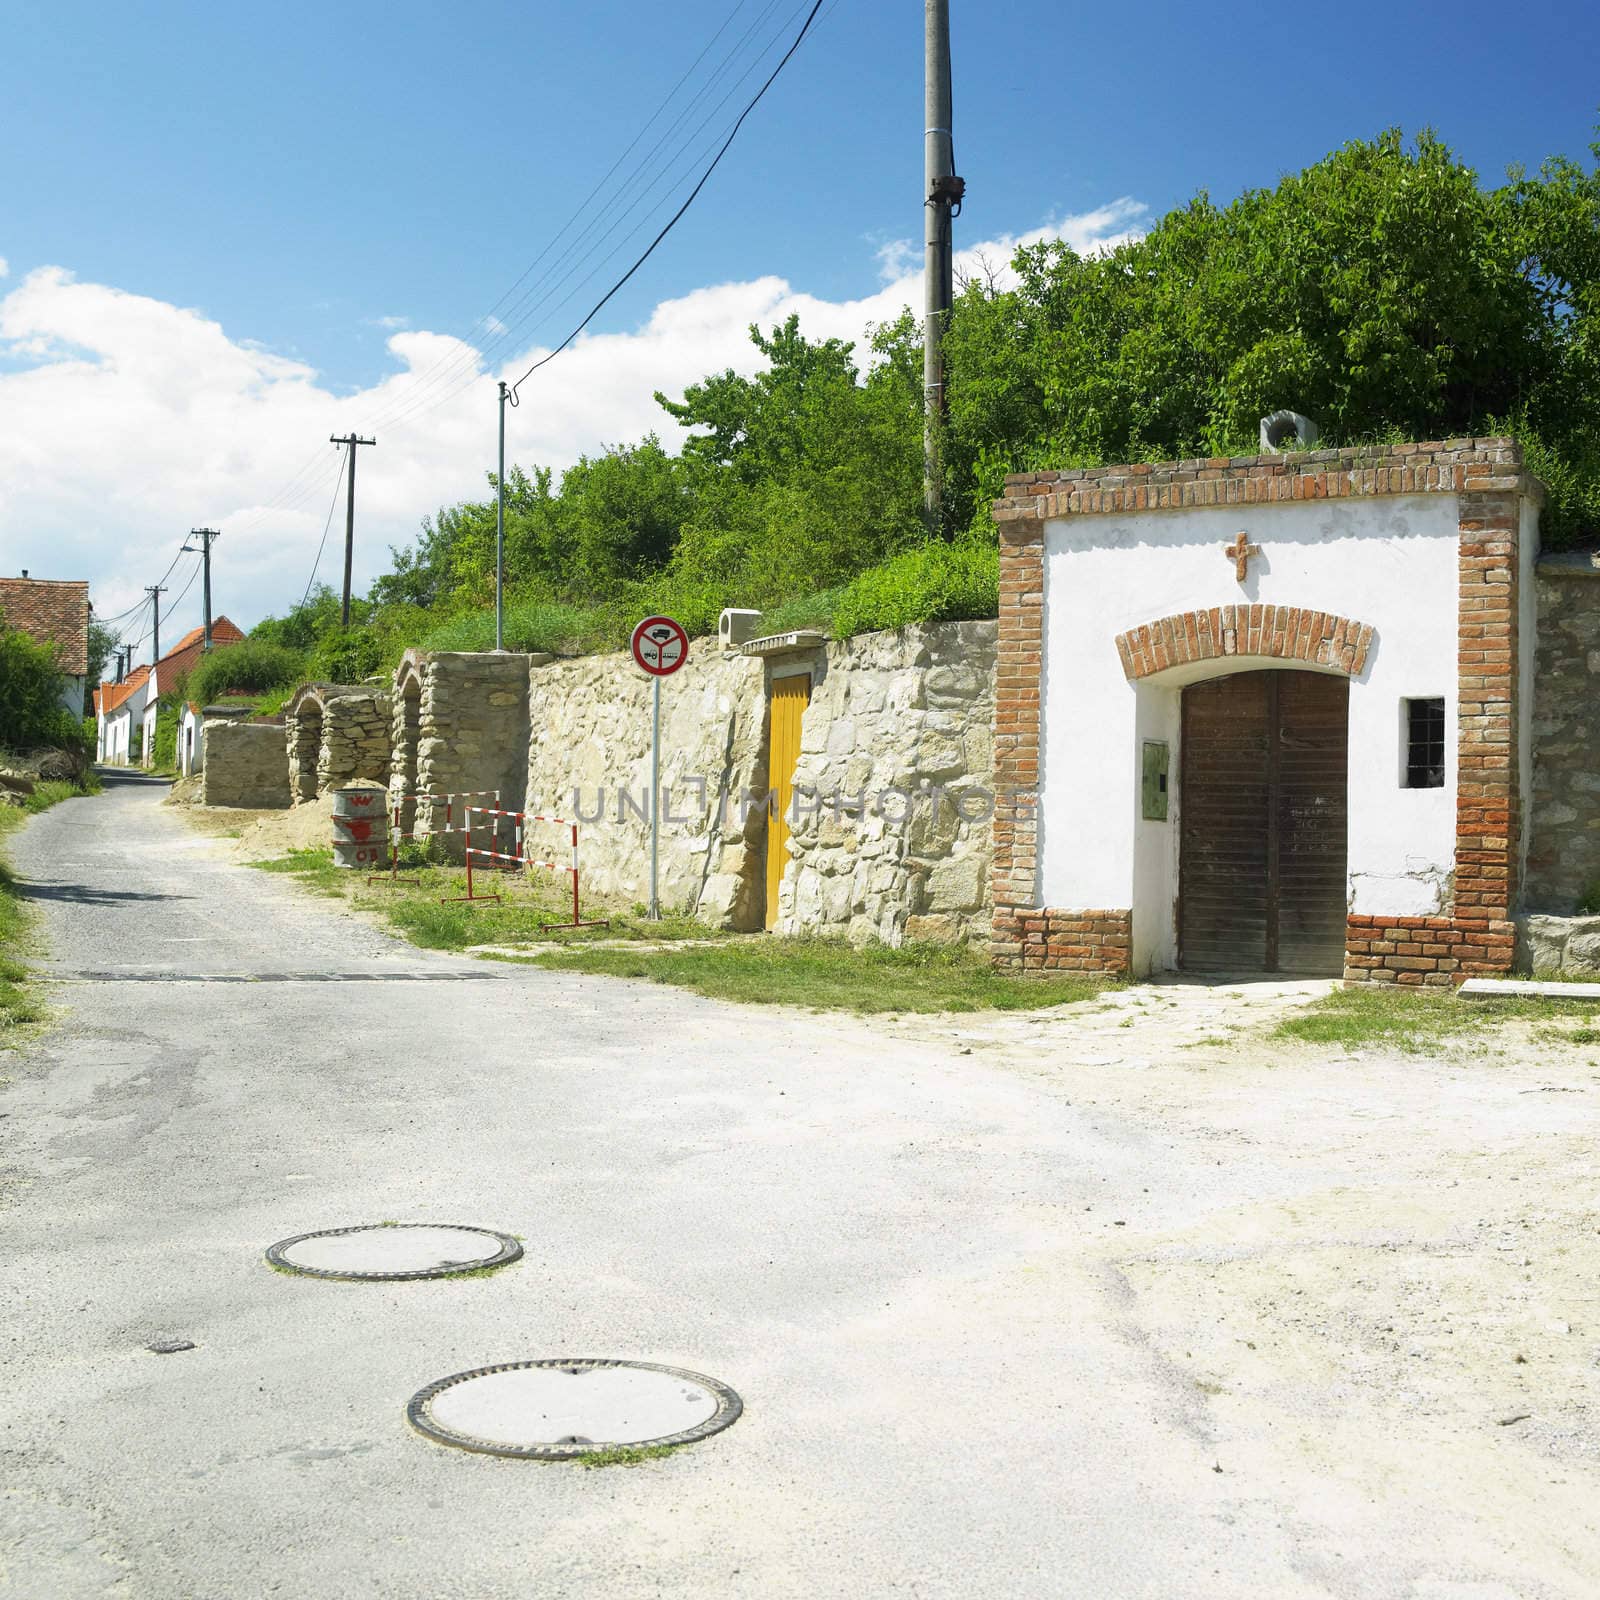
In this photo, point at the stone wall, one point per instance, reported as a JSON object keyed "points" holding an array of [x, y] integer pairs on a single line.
{"points": [[1564, 836], [302, 737], [589, 757], [335, 733], [891, 835], [909, 711], [246, 764], [355, 740], [1566, 947], [472, 729]]}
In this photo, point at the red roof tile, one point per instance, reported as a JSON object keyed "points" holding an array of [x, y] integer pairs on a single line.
{"points": [[52, 611], [113, 695]]}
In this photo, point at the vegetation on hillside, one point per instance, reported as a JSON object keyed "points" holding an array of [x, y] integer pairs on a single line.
{"points": [[1383, 291]]}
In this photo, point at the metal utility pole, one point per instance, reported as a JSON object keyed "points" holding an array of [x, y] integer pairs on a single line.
{"points": [[205, 536], [155, 591], [941, 202], [500, 532], [352, 440]]}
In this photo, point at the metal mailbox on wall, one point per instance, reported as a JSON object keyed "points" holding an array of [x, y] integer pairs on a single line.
{"points": [[1153, 789]]}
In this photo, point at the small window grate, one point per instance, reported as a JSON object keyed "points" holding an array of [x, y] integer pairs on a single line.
{"points": [[1425, 743]]}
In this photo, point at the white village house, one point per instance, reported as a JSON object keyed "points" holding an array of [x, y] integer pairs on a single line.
{"points": [[118, 709], [1267, 714]]}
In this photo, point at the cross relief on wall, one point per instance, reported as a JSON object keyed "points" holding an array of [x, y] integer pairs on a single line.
{"points": [[1241, 550]]}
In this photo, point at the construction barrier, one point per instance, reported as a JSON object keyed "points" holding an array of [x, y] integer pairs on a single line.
{"points": [[454, 803], [519, 858]]}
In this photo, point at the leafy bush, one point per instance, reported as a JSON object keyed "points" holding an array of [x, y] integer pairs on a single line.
{"points": [[31, 686], [164, 746], [251, 666], [933, 583]]}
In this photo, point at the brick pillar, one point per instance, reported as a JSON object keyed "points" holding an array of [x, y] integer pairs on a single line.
{"points": [[1488, 787], [1018, 678]]}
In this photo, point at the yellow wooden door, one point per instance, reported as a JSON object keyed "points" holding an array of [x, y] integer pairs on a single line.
{"points": [[789, 699]]}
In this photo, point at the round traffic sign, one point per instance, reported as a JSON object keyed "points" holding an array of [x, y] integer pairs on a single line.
{"points": [[660, 646]]}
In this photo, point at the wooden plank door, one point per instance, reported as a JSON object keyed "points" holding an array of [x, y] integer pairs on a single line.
{"points": [[1222, 846], [1262, 850], [1309, 827], [786, 705]]}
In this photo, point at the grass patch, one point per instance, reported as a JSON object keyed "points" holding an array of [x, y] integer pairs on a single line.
{"points": [[19, 1005], [825, 974], [828, 974], [627, 1455], [412, 906], [1412, 1020]]}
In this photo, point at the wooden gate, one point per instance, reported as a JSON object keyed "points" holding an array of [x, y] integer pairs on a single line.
{"points": [[785, 707], [1261, 866]]}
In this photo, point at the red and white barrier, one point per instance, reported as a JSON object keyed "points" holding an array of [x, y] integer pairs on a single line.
{"points": [[456, 801], [522, 858]]}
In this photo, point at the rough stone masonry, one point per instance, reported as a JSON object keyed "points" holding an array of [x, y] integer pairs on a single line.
{"points": [[245, 765]]}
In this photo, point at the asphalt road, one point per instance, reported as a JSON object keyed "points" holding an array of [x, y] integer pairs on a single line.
{"points": [[875, 1242]]}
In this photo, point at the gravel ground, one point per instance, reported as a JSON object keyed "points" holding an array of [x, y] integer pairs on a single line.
{"points": [[1070, 1304]]}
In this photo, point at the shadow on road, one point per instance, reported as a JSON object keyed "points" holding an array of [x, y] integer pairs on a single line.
{"points": [[131, 778], [80, 894]]}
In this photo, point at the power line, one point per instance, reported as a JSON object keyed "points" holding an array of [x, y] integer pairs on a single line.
{"points": [[420, 403], [449, 368], [489, 316], [325, 526], [693, 194]]}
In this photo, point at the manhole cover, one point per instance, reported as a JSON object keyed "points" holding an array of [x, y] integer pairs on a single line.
{"points": [[558, 1409], [393, 1250]]}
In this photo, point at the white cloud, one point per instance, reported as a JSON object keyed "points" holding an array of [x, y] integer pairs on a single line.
{"points": [[131, 420], [5, 268]]}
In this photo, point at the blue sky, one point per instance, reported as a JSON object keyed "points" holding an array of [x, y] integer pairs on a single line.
{"points": [[314, 180]]}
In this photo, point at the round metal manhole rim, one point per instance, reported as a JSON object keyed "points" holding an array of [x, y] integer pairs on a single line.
{"points": [[508, 1249], [728, 1410]]}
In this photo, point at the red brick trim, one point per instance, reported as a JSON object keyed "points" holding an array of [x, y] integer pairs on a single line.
{"points": [[1452, 466], [1018, 675], [1285, 633], [1064, 941]]}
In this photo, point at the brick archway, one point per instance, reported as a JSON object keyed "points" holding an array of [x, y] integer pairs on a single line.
{"points": [[1281, 633]]}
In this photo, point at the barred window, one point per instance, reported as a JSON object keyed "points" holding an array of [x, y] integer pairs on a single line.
{"points": [[1425, 743]]}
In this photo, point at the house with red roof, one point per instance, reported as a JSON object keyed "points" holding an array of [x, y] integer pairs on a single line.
{"points": [[53, 611], [118, 708], [169, 674]]}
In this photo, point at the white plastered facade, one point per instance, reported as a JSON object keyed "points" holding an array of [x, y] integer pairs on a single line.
{"points": [[1389, 562]]}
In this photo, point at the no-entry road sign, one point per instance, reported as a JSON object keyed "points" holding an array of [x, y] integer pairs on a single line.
{"points": [[660, 646]]}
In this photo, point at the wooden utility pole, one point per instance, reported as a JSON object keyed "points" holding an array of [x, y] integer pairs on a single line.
{"points": [[155, 591], [351, 440], [941, 201], [205, 536]]}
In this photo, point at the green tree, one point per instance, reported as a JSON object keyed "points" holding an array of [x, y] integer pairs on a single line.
{"points": [[1382, 291], [102, 646], [31, 687]]}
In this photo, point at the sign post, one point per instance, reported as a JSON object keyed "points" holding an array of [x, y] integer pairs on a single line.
{"points": [[660, 646]]}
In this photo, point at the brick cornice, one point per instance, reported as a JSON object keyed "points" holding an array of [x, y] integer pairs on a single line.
{"points": [[1284, 633], [1452, 466]]}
